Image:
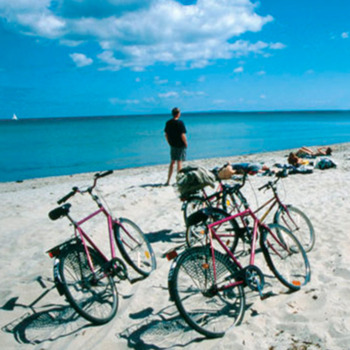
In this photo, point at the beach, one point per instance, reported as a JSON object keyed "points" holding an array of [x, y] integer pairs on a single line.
{"points": [[316, 317]]}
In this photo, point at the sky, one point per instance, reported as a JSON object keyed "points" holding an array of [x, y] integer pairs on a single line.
{"points": [[66, 58]]}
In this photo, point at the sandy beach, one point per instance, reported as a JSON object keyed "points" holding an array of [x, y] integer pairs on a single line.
{"points": [[316, 317]]}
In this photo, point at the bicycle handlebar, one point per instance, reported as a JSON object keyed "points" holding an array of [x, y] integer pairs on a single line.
{"points": [[99, 175], [279, 175], [76, 189], [67, 196]]}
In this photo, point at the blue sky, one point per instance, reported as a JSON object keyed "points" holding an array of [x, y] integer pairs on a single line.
{"points": [[114, 57]]}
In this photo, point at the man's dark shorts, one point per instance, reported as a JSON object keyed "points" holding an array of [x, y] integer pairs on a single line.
{"points": [[178, 153]]}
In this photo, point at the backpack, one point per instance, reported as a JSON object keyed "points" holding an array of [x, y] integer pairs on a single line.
{"points": [[325, 163], [193, 178]]}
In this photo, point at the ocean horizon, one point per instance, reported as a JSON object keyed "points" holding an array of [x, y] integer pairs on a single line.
{"points": [[42, 147]]}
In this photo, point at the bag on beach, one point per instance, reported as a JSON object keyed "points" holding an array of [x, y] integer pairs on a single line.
{"points": [[325, 163], [193, 178]]}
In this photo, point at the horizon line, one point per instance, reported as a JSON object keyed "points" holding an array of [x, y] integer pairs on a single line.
{"points": [[185, 113]]}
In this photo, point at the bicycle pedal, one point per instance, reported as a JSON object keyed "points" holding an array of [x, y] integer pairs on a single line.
{"points": [[117, 268]]}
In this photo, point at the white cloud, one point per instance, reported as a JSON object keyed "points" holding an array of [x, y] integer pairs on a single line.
{"points": [[149, 100], [193, 93], [263, 97], [159, 81], [345, 35], [277, 46], [80, 59], [139, 33], [219, 102], [262, 72], [42, 24], [169, 94], [116, 100], [238, 70], [71, 43], [108, 58]]}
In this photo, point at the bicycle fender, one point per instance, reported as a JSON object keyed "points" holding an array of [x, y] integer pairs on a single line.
{"points": [[170, 277], [57, 277]]}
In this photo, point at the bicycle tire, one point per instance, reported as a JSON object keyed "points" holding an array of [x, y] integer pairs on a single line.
{"points": [[94, 297], [197, 234], [285, 256], [192, 205], [298, 223], [134, 247], [227, 202], [192, 288], [229, 205]]}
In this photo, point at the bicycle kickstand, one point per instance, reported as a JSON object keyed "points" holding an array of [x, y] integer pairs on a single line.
{"points": [[261, 294], [137, 279]]}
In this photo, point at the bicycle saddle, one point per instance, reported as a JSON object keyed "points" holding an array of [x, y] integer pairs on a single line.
{"points": [[57, 213], [202, 215]]}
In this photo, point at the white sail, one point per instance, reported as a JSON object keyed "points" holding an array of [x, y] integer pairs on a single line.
{"points": [[14, 117]]}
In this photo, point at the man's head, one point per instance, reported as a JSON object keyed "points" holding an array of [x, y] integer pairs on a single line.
{"points": [[176, 112]]}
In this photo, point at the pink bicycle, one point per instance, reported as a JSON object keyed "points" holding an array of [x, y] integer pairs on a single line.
{"points": [[207, 285], [84, 274]]}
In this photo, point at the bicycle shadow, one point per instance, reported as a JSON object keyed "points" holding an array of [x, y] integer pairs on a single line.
{"points": [[165, 236], [153, 185], [52, 322], [163, 330], [167, 328]]}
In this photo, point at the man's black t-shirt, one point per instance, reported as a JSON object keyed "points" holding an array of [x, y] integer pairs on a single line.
{"points": [[174, 128]]}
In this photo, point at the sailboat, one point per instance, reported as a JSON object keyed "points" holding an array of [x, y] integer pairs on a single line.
{"points": [[14, 117]]}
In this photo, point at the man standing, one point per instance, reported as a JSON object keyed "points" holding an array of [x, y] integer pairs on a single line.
{"points": [[175, 134]]}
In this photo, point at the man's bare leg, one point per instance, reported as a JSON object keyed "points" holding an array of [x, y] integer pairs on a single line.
{"points": [[179, 165], [170, 171]]}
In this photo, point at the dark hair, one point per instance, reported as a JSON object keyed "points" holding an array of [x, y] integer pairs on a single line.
{"points": [[329, 151], [292, 159], [175, 111]]}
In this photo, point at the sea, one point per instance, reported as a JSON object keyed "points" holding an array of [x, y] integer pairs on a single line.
{"points": [[36, 148]]}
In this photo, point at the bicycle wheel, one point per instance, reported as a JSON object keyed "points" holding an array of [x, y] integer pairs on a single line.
{"points": [[134, 247], [200, 297], [192, 205], [285, 256], [229, 202], [197, 231], [298, 223], [92, 295]]}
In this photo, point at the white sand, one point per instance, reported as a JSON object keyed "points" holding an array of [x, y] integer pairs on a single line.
{"points": [[317, 317]]}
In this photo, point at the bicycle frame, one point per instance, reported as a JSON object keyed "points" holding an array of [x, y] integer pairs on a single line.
{"points": [[274, 200], [257, 223], [85, 237], [211, 197]]}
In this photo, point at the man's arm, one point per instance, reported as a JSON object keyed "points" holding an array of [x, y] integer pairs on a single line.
{"points": [[166, 137], [184, 139]]}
